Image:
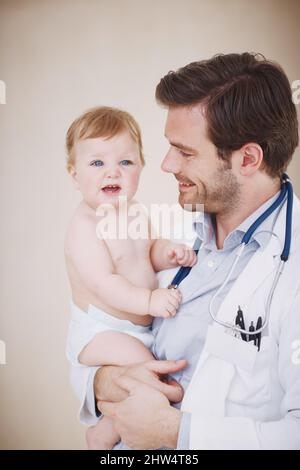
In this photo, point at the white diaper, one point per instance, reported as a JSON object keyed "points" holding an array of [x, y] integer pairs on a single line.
{"points": [[84, 326]]}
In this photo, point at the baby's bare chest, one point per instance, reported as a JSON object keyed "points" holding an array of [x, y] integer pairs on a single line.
{"points": [[129, 252], [131, 259]]}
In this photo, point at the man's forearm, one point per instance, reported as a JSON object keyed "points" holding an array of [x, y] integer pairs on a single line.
{"points": [[104, 386]]}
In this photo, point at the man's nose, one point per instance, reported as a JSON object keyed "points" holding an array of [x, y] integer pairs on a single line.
{"points": [[171, 163]]}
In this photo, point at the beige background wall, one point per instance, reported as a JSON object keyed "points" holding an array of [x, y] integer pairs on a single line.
{"points": [[59, 57]]}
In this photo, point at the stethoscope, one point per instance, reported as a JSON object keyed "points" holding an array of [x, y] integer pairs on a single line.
{"points": [[286, 193]]}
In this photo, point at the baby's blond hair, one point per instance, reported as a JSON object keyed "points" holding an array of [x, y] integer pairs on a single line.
{"points": [[102, 121]]}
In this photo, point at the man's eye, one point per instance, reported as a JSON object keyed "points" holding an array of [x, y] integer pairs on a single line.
{"points": [[97, 163], [184, 154], [126, 162]]}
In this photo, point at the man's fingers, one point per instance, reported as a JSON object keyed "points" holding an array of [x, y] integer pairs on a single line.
{"points": [[107, 408], [166, 367], [173, 391], [171, 382], [127, 383]]}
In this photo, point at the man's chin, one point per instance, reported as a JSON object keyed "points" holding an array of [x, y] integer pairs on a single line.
{"points": [[189, 205]]}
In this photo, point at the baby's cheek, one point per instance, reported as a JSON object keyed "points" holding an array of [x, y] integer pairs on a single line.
{"points": [[134, 180]]}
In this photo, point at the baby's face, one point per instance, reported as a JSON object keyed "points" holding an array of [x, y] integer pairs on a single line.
{"points": [[107, 169]]}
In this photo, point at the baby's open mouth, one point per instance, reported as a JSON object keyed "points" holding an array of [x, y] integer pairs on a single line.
{"points": [[111, 188]]}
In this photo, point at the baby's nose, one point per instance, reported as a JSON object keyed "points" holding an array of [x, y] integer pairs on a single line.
{"points": [[113, 172]]}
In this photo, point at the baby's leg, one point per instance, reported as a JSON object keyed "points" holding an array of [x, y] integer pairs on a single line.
{"points": [[114, 348], [102, 436], [110, 348]]}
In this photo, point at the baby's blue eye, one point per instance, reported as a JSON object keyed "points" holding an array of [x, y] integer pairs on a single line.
{"points": [[126, 162], [97, 163]]}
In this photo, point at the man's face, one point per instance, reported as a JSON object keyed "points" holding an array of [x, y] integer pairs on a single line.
{"points": [[203, 178]]}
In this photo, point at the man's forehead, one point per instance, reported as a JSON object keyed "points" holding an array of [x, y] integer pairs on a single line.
{"points": [[195, 109], [181, 118]]}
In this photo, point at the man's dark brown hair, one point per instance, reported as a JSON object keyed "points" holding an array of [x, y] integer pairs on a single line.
{"points": [[247, 99]]}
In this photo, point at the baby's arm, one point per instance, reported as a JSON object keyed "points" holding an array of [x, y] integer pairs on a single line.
{"points": [[93, 262], [166, 254]]}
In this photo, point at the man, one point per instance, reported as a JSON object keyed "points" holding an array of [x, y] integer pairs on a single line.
{"points": [[232, 129]]}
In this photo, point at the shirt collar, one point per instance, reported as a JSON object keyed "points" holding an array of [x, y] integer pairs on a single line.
{"points": [[205, 228]]}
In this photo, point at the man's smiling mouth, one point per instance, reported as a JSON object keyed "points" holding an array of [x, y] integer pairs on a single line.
{"points": [[185, 186]]}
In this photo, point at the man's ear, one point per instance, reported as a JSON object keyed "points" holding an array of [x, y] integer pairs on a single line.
{"points": [[251, 158], [73, 173]]}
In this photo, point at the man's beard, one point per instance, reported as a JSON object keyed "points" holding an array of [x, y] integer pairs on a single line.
{"points": [[222, 195]]}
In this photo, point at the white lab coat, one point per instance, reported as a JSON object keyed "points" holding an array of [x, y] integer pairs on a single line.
{"points": [[239, 398]]}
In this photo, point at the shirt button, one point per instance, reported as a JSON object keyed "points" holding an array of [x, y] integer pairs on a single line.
{"points": [[210, 264]]}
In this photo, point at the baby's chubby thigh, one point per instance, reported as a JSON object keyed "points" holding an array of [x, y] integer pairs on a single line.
{"points": [[114, 348]]}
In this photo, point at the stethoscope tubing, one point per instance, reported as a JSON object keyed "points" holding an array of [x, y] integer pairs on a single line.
{"points": [[286, 193]]}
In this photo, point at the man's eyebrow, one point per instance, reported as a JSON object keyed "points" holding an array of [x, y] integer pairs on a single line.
{"points": [[182, 146]]}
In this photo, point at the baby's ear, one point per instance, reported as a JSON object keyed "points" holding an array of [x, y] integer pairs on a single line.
{"points": [[73, 174]]}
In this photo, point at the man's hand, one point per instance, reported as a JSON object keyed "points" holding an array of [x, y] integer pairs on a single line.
{"points": [[152, 373], [181, 255], [144, 420]]}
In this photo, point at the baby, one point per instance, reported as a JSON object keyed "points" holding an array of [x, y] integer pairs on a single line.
{"points": [[113, 281]]}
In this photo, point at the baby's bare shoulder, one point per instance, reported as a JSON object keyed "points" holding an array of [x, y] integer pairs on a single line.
{"points": [[81, 230]]}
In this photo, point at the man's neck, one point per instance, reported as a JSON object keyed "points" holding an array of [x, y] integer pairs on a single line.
{"points": [[251, 199]]}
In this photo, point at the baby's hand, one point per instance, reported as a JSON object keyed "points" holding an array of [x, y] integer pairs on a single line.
{"points": [[164, 302], [181, 255]]}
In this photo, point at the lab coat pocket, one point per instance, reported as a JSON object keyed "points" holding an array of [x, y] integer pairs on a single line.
{"points": [[254, 388]]}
